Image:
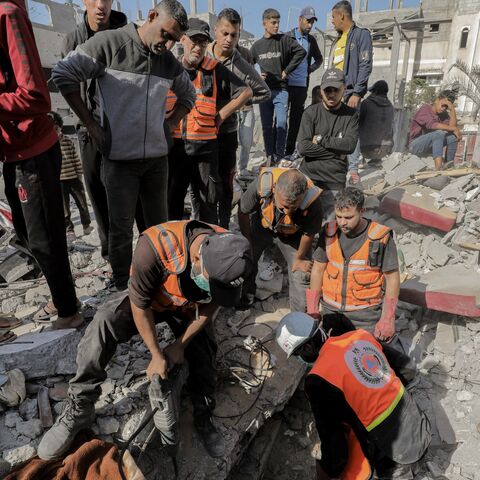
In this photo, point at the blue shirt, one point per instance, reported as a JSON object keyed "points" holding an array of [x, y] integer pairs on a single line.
{"points": [[298, 78]]}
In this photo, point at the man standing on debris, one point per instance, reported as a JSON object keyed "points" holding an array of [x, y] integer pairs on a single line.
{"points": [[194, 158], [434, 128], [98, 17], [224, 50], [355, 272], [282, 207], [30, 151], [328, 133], [353, 54], [181, 272], [366, 420], [277, 55], [133, 71], [298, 79]]}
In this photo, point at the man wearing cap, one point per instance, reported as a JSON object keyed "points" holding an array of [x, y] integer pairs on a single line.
{"points": [[194, 157], [376, 123], [368, 423], [298, 79], [181, 272], [282, 207], [328, 133]]}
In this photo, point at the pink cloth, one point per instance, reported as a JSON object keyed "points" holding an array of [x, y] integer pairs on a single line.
{"points": [[424, 120]]}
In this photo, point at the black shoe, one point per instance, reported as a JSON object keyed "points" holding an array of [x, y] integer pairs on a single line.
{"points": [[211, 438]]}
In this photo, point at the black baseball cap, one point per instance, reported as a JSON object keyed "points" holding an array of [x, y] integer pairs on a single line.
{"points": [[227, 259], [198, 27], [381, 86], [308, 13], [333, 77]]}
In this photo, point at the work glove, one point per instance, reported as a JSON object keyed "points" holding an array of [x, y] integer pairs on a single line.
{"points": [[385, 327], [313, 302]]}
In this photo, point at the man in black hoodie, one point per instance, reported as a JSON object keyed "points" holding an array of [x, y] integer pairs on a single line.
{"points": [[98, 16], [278, 55], [376, 123]]}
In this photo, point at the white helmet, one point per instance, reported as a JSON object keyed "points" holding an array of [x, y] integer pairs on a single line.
{"points": [[294, 330]]}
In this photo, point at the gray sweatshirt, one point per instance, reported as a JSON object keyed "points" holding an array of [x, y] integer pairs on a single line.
{"points": [[132, 87]]}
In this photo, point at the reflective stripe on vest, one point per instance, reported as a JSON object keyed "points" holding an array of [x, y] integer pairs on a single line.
{"points": [[355, 364], [169, 241], [285, 224], [353, 284], [200, 122]]}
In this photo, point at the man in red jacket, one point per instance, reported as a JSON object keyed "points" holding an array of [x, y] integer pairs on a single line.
{"points": [[32, 160]]}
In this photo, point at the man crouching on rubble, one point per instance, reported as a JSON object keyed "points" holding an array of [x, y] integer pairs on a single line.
{"points": [[355, 276], [181, 272], [369, 425]]}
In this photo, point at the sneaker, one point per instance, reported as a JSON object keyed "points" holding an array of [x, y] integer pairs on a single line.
{"points": [[76, 416], [211, 438], [87, 229], [268, 274]]}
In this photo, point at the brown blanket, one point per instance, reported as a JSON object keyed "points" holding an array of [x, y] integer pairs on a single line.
{"points": [[90, 459]]}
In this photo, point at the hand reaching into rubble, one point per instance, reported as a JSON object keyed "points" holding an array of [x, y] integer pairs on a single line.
{"points": [[385, 328], [158, 366]]}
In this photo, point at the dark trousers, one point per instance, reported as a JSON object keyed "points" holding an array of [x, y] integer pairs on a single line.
{"points": [[199, 171], [113, 324], [127, 181], [296, 101], [298, 282], [74, 187], [92, 162], [227, 155], [33, 191]]}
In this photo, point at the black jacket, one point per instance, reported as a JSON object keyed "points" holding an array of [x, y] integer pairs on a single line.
{"points": [[313, 52], [376, 121], [80, 35]]}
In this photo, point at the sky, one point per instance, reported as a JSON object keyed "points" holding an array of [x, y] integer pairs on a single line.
{"points": [[251, 10]]}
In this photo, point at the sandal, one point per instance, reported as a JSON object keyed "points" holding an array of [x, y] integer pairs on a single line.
{"points": [[45, 313], [8, 322], [7, 337]]}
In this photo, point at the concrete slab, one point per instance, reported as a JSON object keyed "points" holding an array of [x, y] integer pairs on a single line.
{"points": [[414, 203], [42, 354], [407, 168], [452, 289]]}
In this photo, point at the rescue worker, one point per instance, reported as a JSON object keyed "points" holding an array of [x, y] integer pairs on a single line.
{"points": [[368, 423], [355, 275], [282, 207], [181, 272], [193, 158]]}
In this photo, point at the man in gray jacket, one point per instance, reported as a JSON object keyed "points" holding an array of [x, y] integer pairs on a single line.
{"points": [[134, 72]]}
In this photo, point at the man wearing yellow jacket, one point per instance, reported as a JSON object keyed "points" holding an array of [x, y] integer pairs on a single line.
{"points": [[368, 423], [355, 275]]}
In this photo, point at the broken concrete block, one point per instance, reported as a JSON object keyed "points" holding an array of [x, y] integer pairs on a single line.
{"points": [[406, 169], [107, 425], [437, 183], [15, 267], [10, 305], [42, 354], [438, 252], [455, 189], [31, 428], [29, 409], [453, 289], [392, 161], [18, 455], [445, 338], [414, 203]]}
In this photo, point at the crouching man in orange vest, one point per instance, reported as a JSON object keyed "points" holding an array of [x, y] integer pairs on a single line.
{"points": [[181, 272], [355, 273], [282, 207], [369, 425], [194, 157]]}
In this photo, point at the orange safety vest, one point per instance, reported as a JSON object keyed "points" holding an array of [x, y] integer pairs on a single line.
{"points": [[200, 123], [169, 241], [266, 187], [354, 284], [355, 364]]}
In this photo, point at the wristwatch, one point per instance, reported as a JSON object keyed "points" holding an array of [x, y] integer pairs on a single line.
{"points": [[318, 138]]}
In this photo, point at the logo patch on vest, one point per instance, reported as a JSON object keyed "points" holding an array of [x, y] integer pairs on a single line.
{"points": [[368, 365]]}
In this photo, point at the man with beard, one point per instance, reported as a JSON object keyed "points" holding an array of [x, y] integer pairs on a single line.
{"points": [[134, 72], [195, 152], [328, 133], [355, 272]]}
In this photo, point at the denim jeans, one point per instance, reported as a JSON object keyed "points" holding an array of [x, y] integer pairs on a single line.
{"points": [[432, 143], [277, 106], [245, 138], [354, 157], [126, 181]]}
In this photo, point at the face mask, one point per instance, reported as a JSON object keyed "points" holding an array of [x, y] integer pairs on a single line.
{"points": [[199, 279]]}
